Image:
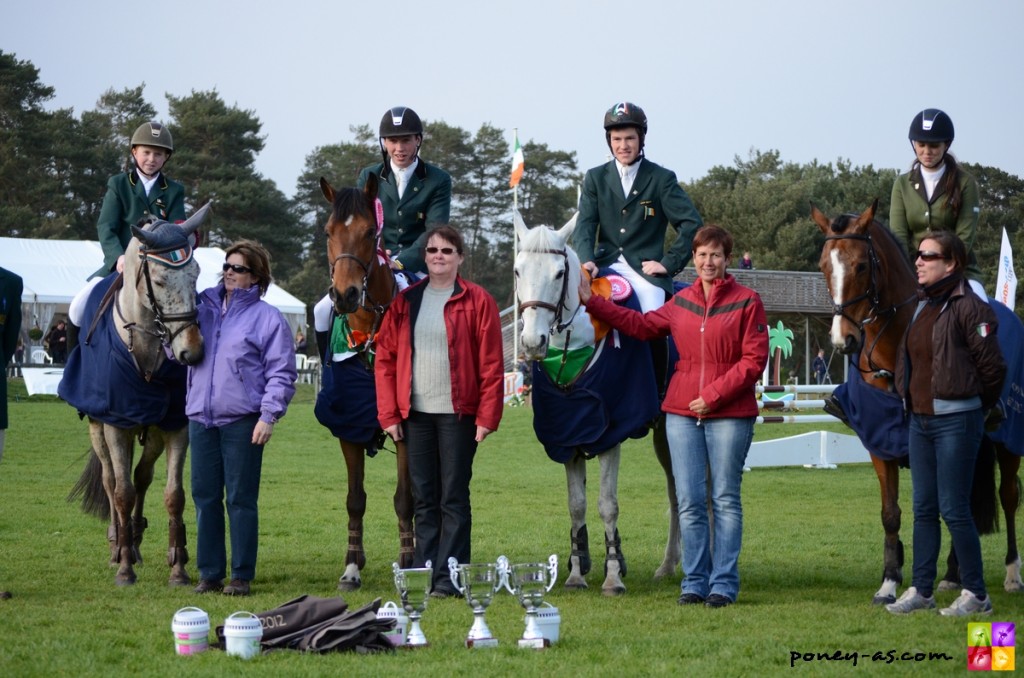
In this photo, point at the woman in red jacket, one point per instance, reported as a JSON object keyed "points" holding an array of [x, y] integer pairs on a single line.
{"points": [[440, 379], [720, 330]]}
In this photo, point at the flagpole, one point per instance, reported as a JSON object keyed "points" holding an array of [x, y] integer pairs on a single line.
{"points": [[515, 251]]}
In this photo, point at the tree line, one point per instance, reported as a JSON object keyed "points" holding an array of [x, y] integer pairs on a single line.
{"points": [[54, 166]]}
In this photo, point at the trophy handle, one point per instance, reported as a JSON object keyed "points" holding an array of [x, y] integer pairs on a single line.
{"points": [[553, 569], [503, 572], [395, 568], [453, 574]]}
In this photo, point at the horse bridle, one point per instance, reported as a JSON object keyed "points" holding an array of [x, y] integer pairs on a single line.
{"points": [[872, 295], [377, 308], [558, 325]]}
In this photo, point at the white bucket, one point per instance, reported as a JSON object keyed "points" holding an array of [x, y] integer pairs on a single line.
{"points": [[390, 610], [242, 634], [549, 621], [191, 629]]}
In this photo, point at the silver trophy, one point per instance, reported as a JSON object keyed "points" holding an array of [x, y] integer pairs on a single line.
{"points": [[478, 582], [413, 586], [529, 582]]}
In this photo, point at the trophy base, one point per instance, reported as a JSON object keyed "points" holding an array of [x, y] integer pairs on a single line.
{"points": [[413, 646], [534, 643], [481, 642]]}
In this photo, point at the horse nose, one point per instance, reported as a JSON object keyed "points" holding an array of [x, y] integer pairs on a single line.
{"points": [[852, 345], [190, 356]]}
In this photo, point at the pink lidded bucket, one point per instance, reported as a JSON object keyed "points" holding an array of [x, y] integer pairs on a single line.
{"points": [[191, 629]]}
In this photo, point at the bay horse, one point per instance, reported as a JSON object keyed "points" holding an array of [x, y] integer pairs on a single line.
{"points": [[874, 295], [127, 374], [547, 275], [362, 289]]}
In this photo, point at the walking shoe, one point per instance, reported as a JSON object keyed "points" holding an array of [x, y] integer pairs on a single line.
{"points": [[209, 585], [911, 601], [717, 600], [690, 599], [237, 587], [966, 604]]}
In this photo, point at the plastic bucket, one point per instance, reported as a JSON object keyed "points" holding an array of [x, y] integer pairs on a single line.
{"points": [[549, 621], [390, 610], [242, 634], [191, 629]]}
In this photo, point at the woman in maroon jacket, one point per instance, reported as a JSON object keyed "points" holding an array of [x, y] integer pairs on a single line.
{"points": [[720, 330], [440, 377]]}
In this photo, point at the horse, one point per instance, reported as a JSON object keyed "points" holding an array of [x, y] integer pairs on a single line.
{"points": [[362, 288], [547, 277], [121, 376], [874, 294]]}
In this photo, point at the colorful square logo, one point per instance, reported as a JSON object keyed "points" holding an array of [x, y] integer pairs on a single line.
{"points": [[991, 647]]}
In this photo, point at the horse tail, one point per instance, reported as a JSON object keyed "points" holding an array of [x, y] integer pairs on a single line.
{"points": [[984, 503], [90, 490]]}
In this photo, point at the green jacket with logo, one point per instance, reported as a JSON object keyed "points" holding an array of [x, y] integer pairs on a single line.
{"points": [[911, 215], [427, 201], [125, 203], [610, 224]]}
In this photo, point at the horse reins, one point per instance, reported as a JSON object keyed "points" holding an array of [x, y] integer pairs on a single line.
{"points": [[872, 295], [558, 325], [378, 309]]}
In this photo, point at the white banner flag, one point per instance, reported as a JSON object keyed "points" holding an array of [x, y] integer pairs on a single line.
{"points": [[1006, 281]]}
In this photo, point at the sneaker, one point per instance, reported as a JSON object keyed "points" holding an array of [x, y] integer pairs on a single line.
{"points": [[209, 585], [966, 604], [911, 601], [690, 599], [237, 587]]}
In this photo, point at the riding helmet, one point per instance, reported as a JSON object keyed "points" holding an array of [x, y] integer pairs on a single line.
{"points": [[153, 134], [931, 125], [625, 114], [400, 121]]}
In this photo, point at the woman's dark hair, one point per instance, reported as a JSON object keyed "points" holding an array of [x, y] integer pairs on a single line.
{"points": [[448, 233], [257, 258], [951, 245], [711, 235]]}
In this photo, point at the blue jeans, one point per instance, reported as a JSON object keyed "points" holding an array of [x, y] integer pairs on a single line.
{"points": [[721, 446], [224, 457], [943, 451], [441, 449]]}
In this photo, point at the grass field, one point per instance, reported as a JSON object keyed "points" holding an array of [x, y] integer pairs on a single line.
{"points": [[810, 563]]}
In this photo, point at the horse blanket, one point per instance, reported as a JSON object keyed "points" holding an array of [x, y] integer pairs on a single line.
{"points": [[614, 398], [102, 381], [347, 401], [879, 420]]}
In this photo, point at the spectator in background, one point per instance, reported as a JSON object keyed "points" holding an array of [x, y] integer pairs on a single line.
{"points": [[300, 342], [820, 367], [57, 342], [746, 263]]}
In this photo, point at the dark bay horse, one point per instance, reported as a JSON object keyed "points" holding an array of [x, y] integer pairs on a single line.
{"points": [[119, 376], [548, 274], [362, 288], [874, 295]]}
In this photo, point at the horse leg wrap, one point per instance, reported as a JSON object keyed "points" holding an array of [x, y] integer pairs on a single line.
{"points": [[139, 526], [355, 552], [125, 544], [581, 549], [177, 554], [614, 543]]}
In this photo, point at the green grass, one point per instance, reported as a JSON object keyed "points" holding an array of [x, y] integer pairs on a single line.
{"points": [[811, 561]]}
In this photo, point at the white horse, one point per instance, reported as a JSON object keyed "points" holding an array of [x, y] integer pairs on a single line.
{"points": [[547, 273]]}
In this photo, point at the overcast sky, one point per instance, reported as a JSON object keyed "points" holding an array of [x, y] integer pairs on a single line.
{"points": [[813, 79]]}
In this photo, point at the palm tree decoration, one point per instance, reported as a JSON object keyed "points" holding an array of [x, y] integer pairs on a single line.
{"points": [[780, 343]]}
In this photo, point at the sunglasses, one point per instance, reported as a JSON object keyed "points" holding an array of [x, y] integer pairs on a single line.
{"points": [[447, 251], [236, 268], [930, 256]]}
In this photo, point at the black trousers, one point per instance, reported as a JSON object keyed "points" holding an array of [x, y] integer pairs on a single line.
{"points": [[441, 450]]}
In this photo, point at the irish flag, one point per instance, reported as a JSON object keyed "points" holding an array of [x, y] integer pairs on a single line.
{"points": [[517, 164]]}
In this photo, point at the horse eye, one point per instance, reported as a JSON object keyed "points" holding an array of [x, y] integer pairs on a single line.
{"points": [[559, 275], [861, 268]]}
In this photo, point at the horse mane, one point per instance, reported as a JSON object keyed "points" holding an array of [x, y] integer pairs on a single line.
{"points": [[350, 202], [540, 239]]}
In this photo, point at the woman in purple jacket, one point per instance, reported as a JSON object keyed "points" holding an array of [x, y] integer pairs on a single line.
{"points": [[235, 396]]}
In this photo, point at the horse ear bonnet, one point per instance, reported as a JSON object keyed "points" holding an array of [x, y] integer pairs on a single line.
{"points": [[163, 235]]}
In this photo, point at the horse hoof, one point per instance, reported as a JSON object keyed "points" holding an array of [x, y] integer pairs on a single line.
{"points": [[946, 585], [883, 600], [575, 583], [123, 580], [179, 580], [666, 570], [349, 584], [613, 591]]}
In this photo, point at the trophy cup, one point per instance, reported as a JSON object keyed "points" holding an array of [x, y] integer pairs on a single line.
{"points": [[529, 583], [477, 582], [413, 586]]}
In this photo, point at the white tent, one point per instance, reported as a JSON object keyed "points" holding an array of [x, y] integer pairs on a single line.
{"points": [[55, 270]]}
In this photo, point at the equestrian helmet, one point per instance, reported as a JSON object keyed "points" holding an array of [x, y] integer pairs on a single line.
{"points": [[400, 121], [931, 125], [153, 134], [625, 114]]}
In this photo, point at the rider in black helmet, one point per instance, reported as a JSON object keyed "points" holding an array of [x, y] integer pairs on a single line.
{"points": [[936, 194], [415, 195]]}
